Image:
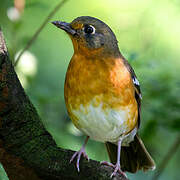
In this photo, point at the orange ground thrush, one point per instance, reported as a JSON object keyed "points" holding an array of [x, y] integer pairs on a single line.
{"points": [[102, 95]]}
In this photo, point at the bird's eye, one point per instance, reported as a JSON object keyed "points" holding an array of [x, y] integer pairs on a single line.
{"points": [[89, 29]]}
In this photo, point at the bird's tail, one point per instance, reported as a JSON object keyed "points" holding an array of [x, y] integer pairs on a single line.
{"points": [[133, 157]]}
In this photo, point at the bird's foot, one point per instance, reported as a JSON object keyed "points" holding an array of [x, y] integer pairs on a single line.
{"points": [[116, 167], [78, 154]]}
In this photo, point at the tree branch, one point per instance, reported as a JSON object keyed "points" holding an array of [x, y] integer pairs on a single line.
{"points": [[167, 158], [27, 150], [29, 43]]}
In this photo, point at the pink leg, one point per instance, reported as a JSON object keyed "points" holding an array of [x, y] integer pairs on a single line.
{"points": [[117, 166], [79, 153]]}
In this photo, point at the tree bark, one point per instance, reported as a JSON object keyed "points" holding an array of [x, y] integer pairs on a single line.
{"points": [[27, 150]]}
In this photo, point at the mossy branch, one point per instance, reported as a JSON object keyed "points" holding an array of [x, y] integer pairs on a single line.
{"points": [[27, 150]]}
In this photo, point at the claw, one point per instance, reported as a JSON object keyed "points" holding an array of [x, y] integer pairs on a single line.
{"points": [[116, 167], [78, 154], [73, 156], [107, 164]]}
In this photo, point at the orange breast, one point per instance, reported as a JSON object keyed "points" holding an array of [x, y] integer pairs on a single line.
{"points": [[106, 79]]}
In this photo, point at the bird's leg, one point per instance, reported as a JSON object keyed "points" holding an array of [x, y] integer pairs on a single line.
{"points": [[79, 153], [117, 166]]}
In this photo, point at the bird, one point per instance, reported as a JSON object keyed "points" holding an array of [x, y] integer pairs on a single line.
{"points": [[103, 97]]}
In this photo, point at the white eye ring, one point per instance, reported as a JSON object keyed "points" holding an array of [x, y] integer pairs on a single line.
{"points": [[89, 29], [94, 30]]}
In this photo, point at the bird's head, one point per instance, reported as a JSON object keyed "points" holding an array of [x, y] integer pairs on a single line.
{"points": [[90, 36]]}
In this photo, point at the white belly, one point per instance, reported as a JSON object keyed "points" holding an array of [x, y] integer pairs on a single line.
{"points": [[103, 124]]}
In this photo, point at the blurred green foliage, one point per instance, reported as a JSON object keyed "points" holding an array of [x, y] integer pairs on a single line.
{"points": [[149, 37]]}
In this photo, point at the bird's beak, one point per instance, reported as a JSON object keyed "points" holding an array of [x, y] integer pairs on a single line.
{"points": [[65, 26]]}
